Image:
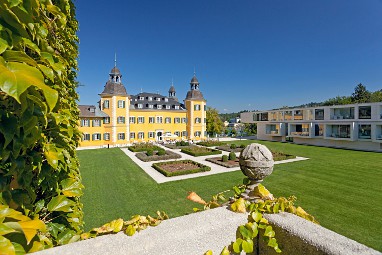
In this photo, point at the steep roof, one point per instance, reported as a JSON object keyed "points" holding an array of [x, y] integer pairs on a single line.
{"points": [[114, 88], [152, 100], [88, 111]]}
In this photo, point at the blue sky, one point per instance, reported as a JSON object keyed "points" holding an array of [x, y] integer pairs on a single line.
{"points": [[248, 54]]}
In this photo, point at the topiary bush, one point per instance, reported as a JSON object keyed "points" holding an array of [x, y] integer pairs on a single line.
{"points": [[242, 146], [232, 156], [233, 146], [161, 152], [149, 152], [39, 178], [224, 158]]}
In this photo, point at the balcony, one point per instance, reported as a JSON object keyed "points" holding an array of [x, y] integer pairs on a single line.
{"points": [[364, 132], [338, 132], [342, 113], [299, 130]]}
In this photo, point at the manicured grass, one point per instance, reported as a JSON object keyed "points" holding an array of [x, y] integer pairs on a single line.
{"points": [[341, 188]]}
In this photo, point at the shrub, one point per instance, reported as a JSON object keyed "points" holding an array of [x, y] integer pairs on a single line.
{"points": [[224, 158], [149, 152], [242, 146], [233, 146], [184, 143], [40, 178], [143, 147], [168, 155], [210, 143], [161, 152], [232, 156]]}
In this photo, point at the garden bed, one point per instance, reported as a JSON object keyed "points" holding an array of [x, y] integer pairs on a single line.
{"points": [[277, 156], [198, 151], [178, 145], [231, 148], [144, 147], [155, 157], [180, 167], [228, 164], [211, 143]]}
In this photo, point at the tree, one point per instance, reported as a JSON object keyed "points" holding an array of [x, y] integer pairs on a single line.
{"points": [[376, 96], [361, 94], [250, 128], [214, 123]]}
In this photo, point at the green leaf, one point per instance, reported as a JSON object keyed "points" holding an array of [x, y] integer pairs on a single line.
{"points": [[19, 249], [247, 246], [55, 228], [236, 246], [4, 229], [269, 231], [130, 230], [15, 78], [6, 246], [47, 71], [13, 3], [246, 233], [3, 45], [71, 187], [257, 216], [65, 237], [60, 203], [18, 56]]}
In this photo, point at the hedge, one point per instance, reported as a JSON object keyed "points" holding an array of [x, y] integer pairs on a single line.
{"points": [[168, 155], [202, 151], [201, 168]]}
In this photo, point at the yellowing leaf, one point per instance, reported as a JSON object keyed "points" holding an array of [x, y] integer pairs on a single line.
{"points": [[37, 246], [225, 251], [4, 229], [239, 206], [262, 192], [209, 252], [30, 228], [6, 247], [130, 230], [195, 198]]}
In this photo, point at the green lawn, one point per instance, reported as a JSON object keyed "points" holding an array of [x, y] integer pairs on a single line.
{"points": [[341, 188]]}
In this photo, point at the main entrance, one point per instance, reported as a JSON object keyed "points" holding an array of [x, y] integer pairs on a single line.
{"points": [[159, 135]]}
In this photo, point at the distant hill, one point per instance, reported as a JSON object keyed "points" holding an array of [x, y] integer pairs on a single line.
{"points": [[228, 116]]}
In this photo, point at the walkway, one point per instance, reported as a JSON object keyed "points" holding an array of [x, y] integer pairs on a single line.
{"points": [[215, 169]]}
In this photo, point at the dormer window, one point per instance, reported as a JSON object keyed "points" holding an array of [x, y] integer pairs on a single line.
{"points": [[168, 107], [150, 98], [158, 99], [176, 107], [150, 106], [141, 98], [166, 99], [91, 109], [159, 106], [140, 106]]}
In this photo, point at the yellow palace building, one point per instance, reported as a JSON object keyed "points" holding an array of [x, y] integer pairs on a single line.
{"points": [[121, 119]]}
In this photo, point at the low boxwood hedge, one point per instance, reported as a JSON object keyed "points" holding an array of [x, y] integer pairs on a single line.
{"points": [[211, 143], [197, 151], [168, 155], [143, 147], [199, 168]]}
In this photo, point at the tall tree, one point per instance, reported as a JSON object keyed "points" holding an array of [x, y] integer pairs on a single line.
{"points": [[376, 96], [214, 123], [361, 94]]}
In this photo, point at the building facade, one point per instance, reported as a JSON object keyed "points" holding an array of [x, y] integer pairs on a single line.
{"points": [[353, 126], [121, 119]]}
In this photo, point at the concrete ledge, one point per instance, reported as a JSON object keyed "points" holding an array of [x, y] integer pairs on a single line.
{"points": [[299, 237], [212, 230]]}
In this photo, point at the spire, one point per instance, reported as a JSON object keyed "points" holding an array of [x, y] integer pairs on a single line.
{"points": [[115, 59]]}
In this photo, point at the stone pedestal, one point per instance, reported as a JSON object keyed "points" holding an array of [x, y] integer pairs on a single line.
{"points": [[256, 162]]}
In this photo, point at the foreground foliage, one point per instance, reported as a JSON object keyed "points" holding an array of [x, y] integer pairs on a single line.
{"points": [[39, 175], [247, 235]]}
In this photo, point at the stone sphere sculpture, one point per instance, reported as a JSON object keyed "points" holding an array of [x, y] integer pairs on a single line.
{"points": [[256, 162]]}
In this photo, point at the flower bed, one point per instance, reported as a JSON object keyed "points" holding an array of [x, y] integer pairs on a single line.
{"points": [[230, 148], [155, 157], [198, 151], [180, 167], [229, 163], [210, 143], [143, 147]]}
